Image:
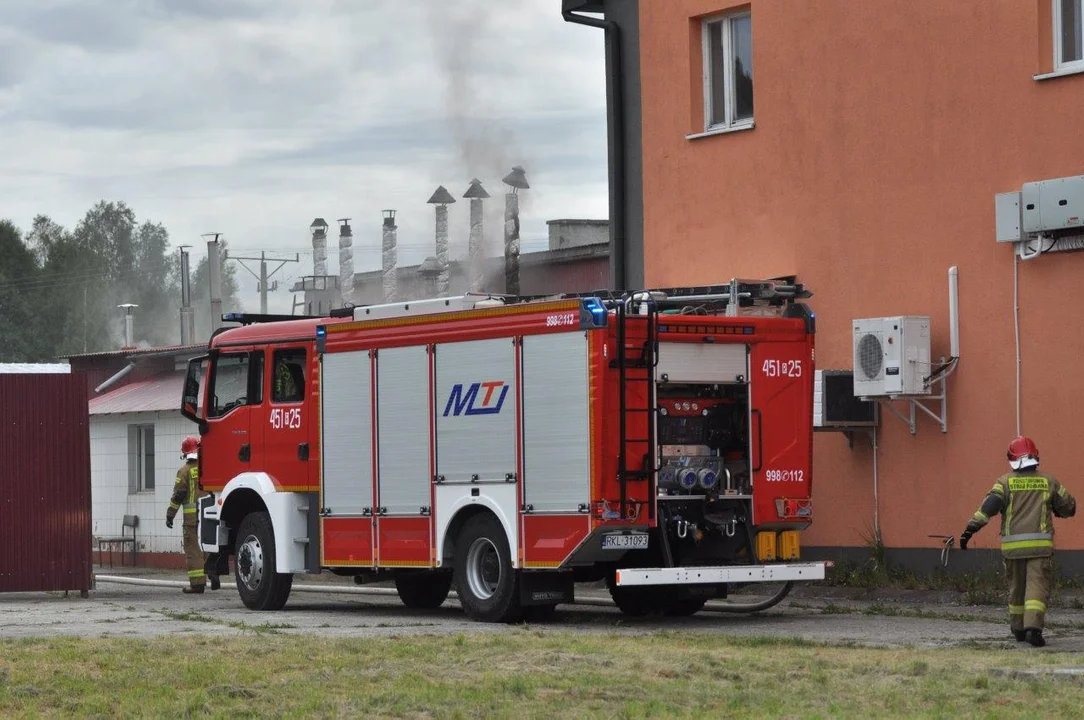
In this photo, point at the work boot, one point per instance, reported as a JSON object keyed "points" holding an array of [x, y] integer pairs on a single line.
{"points": [[193, 590], [1020, 635], [215, 584], [1035, 637]]}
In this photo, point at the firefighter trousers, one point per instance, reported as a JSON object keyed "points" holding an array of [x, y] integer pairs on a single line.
{"points": [[193, 555], [1029, 589]]}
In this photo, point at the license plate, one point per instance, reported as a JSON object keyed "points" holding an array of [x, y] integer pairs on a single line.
{"points": [[618, 541]]}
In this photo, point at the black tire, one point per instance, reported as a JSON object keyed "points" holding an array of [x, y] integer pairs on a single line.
{"points": [[633, 601], [539, 613], [424, 591], [684, 607], [259, 584], [487, 584]]}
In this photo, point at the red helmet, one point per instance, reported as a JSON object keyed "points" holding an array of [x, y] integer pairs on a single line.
{"points": [[190, 446], [1022, 447]]}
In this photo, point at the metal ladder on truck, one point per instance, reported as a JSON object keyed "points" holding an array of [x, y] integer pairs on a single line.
{"points": [[636, 368]]}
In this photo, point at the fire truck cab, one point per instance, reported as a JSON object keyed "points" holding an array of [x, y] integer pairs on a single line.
{"points": [[511, 447]]}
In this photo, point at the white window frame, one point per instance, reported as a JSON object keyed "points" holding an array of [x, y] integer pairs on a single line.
{"points": [[728, 80], [138, 456], [1073, 65]]}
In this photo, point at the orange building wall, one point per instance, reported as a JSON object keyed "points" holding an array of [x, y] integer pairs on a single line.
{"points": [[883, 132]]}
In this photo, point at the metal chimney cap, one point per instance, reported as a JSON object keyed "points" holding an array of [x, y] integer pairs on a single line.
{"points": [[517, 178], [476, 191], [429, 266], [318, 223], [441, 196], [127, 306]]}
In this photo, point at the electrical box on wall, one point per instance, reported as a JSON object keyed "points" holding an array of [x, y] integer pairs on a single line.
{"points": [[891, 356], [835, 406], [1052, 205], [1009, 221]]}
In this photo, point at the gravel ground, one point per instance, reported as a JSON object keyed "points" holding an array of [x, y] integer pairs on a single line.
{"points": [[147, 603]]}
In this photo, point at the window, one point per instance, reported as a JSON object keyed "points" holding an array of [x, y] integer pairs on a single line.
{"points": [[238, 380], [728, 72], [140, 458], [1068, 34], [288, 382]]}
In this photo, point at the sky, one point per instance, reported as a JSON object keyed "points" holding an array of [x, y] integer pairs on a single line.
{"points": [[253, 117]]}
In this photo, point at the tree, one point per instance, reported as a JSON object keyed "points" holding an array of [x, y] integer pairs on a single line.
{"points": [[109, 259], [24, 339]]}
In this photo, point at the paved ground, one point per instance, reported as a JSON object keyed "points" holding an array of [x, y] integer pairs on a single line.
{"points": [[332, 607]]}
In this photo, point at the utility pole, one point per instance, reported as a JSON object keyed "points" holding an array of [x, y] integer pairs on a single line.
{"points": [[214, 275], [188, 318], [263, 274]]}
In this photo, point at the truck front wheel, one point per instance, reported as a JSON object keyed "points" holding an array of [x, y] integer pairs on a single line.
{"points": [[258, 583], [487, 584]]}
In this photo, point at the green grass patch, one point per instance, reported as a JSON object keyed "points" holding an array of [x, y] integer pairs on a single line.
{"points": [[518, 674]]}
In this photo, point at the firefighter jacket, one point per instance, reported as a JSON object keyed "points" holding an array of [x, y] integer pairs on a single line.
{"points": [[186, 493], [1026, 500]]}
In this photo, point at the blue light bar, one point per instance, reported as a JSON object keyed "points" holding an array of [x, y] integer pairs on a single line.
{"points": [[233, 317], [321, 331], [594, 313]]}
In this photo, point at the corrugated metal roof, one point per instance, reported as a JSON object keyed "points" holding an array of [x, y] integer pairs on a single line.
{"points": [[137, 352], [35, 368], [158, 393]]}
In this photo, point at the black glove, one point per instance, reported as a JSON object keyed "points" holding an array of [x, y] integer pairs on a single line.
{"points": [[169, 523], [964, 537]]}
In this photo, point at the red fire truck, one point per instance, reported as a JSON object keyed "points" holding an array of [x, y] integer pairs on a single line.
{"points": [[512, 447]]}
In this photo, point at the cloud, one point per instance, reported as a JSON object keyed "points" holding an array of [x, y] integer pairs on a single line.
{"points": [[251, 117]]}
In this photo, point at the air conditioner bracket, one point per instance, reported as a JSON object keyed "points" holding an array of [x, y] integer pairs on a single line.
{"points": [[936, 406]]}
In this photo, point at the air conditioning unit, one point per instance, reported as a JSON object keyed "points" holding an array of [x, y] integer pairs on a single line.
{"points": [[891, 356], [835, 406]]}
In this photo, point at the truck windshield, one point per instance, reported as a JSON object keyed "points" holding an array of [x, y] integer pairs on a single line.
{"points": [[192, 396], [230, 384]]}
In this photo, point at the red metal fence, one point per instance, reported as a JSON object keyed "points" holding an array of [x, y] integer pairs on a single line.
{"points": [[45, 536]]}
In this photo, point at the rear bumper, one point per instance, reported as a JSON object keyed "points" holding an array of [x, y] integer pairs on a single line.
{"points": [[721, 574]]}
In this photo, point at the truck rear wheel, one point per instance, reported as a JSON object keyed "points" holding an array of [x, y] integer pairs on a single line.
{"points": [[487, 585], [633, 601], [260, 586], [425, 590], [684, 607]]}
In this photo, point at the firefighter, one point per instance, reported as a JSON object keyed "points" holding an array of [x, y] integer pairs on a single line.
{"points": [[285, 386], [1025, 498], [186, 493]]}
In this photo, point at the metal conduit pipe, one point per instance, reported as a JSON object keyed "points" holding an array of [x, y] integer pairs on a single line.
{"points": [[113, 380]]}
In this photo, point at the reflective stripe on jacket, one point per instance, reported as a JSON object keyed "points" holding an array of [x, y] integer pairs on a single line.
{"points": [[186, 492], [1027, 501]]}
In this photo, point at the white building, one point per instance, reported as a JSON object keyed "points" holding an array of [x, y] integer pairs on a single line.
{"points": [[136, 430]]}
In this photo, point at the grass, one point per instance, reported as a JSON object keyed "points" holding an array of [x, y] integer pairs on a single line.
{"points": [[522, 674]]}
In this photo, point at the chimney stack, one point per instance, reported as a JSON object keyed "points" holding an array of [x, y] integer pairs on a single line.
{"points": [[517, 180], [129, 326], [442, 198], [476, 249], [390, 276], [319, 247], [188, 318], [346, 261], [214, 276]]}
